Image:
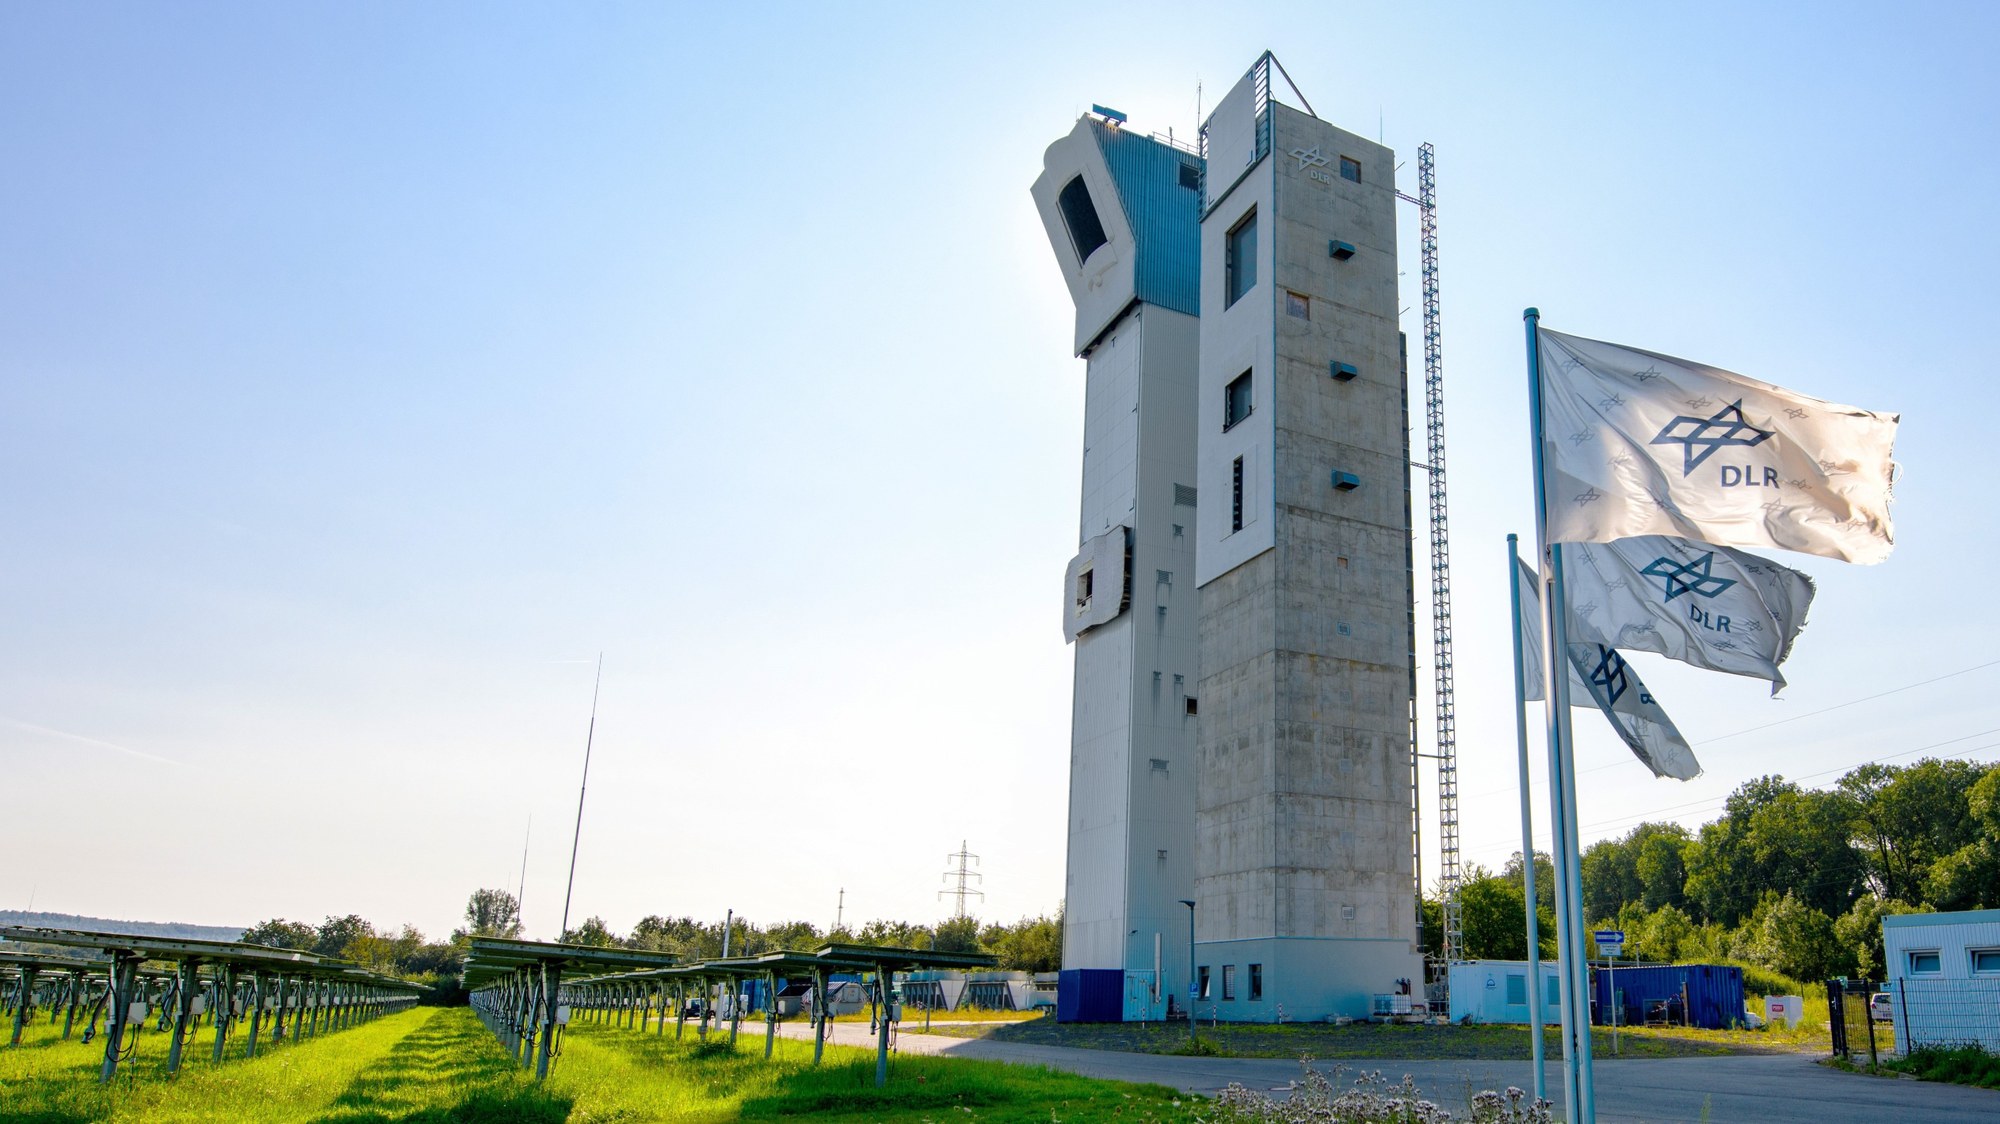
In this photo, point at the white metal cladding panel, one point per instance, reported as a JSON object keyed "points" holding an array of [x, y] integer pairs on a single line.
{"points": [[1111, 431], [1232, 135], [1235, 339], [1953, 941]]}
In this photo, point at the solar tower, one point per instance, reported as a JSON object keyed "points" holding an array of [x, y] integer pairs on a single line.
{"points": [[1122, 213], [1305, 878]]}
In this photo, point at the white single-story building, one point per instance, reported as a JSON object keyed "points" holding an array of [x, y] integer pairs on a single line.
{"points": [[1943, 981], [1496, 991]]}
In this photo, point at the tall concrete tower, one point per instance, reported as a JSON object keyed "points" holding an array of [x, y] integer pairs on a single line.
{"points": [[1304, 865], [1123, 213]]}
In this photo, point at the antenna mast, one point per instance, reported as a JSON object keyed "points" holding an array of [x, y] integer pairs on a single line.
{"points": [[521, 893], [963, 872], [589, 737]]}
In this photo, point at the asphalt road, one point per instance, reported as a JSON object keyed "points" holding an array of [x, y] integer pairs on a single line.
{"points": [[1754, 1089]]}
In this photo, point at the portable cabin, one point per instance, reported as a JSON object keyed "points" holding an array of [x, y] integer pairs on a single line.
{"points": [[1944, 977], [1496, 991]]}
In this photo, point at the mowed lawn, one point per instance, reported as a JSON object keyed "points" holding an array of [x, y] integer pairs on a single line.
{"points": [[439, 1065]]}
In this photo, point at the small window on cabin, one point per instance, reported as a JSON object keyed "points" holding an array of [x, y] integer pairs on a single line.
{"points": [[1299, 305], [1235, 401], [1256, 982], [1201, 980], [1239, 265], [1517, 989], [1190, 176], [1986, 961], [1350, 169], [1086, 232], [1229, 981], [1085, 582], [1924, 963]]}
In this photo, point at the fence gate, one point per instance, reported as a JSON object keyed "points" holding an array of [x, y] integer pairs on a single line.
{"points": [[1851, 1021]]}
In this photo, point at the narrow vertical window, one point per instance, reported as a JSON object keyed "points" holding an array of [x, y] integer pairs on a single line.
{"points": [[1229, 981], [1086, 232], [1236, 496], [1240, 259], [1201, 979], [1256, 982]]}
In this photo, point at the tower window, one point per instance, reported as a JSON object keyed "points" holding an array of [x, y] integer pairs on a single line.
{"points": [[1085, 582], [1299, 305], [1350, 169], [1079, 214], [1240, 259], [1189, 706], [1236, 496], [1235, 401], [1190, 176]]}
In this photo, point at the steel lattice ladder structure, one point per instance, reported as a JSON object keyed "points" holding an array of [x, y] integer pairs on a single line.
{"points": [[1447, 719]]}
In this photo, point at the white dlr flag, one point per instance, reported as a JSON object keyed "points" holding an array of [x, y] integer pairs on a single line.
{"points": [[1638, 443], [1599, 673], [1710, 606]]}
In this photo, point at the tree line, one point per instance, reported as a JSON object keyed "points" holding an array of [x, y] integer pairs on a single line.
{"points": [[1788, 879], [1032, 944]]}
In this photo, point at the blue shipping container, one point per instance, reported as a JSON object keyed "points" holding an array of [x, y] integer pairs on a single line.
{"points": [[1090, 995], [1713, 993]]}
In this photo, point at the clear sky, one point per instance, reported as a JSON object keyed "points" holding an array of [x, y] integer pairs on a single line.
{"points": [[366, 369]]}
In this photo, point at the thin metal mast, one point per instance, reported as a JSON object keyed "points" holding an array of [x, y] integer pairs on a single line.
{"points": [[521, 893], [584, 786], [963, 873], [1447, 720]]}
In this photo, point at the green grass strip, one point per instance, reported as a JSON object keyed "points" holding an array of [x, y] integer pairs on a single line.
{"points": [[436, 1066]]}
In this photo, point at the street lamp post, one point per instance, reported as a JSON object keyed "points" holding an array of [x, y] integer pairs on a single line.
{"points": [[1194, 1033]]}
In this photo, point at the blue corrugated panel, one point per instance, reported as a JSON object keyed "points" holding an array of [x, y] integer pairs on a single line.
{"points": [[1714, 993], [1165, 216], [1090, 995]]}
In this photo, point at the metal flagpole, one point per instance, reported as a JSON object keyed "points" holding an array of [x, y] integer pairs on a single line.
{"points": [[1536, 998], [1579, 1093]]}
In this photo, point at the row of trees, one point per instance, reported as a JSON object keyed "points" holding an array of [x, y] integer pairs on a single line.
{"points": [[1790, 879], [1033, 944]]}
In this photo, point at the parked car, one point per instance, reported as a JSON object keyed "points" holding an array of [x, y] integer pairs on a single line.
{"points": [[1879, 1008]]}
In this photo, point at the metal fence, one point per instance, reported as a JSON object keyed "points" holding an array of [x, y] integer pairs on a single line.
{"points": [[1911, 1014], [1945, 1012]]}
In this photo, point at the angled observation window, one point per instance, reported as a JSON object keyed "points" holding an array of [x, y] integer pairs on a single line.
{"points": [[1079, 214]]}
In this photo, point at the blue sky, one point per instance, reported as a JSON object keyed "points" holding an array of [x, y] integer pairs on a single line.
{"points": [[367, 369]]}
